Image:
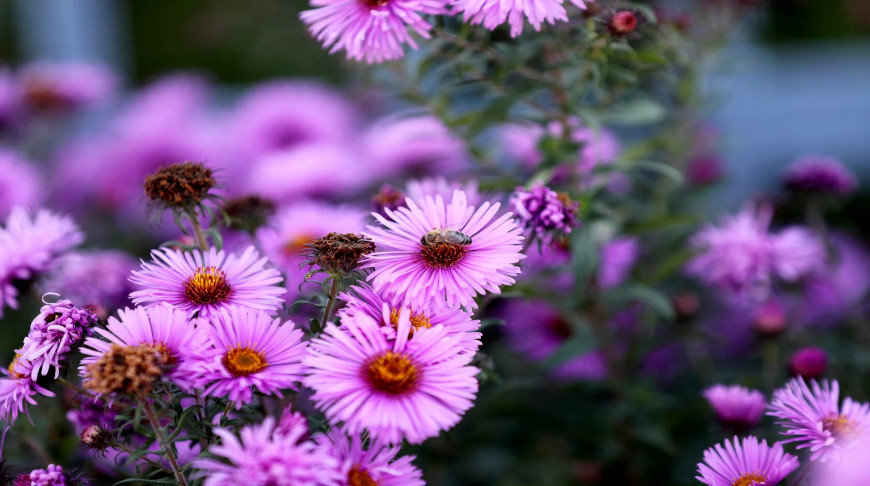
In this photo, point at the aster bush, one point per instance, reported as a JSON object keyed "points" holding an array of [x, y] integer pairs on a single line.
{"points": [[499, 273]]}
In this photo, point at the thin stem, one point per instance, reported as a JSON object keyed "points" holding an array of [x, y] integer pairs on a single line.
{"points": [[331, 303], [158, 431], [197, 230], [200, 418], [73, 386], [122, 447]]}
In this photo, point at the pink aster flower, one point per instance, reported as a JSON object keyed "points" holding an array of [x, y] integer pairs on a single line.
{"points": [[410, 388], [545, 212], [492, 13], [746, 464], [618, 256], [736, 407], [813, 418], [370, 30], [96, 278], [418, 189], [850, 469], [374, 465], [250, 350], [284, 238], [819, 174], [520, 143], [264, 456], [164, 327], [50, 86], [20, 183], [278, 115], [53, 475], [205, 283], [17, 389], [537, 330], [53, 333], [741, 255], [385, 310], [428, 272]]}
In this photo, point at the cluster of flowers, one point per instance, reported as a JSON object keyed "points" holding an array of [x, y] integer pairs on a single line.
{"points": [[810, 415], [397, 367]]}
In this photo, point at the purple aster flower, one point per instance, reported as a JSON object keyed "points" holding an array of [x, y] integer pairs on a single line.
{"points": [[278, 115], [617, 259], [250, 350], [737, 408], [749, 463], [85, 411], [373, 465], [545, 212], [205, 283], [850, 469], [95, 278], [412, 146], [810, 362], [813, 418], [599, 147], [54, 86], [769, 318], [308, 170], [407, 262], [18, 389], [418, 189], [370, 30], [51, 476], [29, 246], [743, 258], [385, 310], [520, 143], [838, 289], [167, 329], [492, 13], [283, 240], [412, 387], [537, 330], [264, 456], [819, 174], [704, 170], [20, 183], [57, 329]]}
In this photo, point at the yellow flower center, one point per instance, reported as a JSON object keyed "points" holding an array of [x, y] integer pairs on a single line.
{"points": [[417, 320], [750, 479], [244, 361], [838, 425], [207, 285], [12, 373], [392, 373], [168, 356], [358, 477]]}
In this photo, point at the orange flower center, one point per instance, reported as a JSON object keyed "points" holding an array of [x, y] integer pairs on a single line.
{"points": [[392, 373], [12, 373], [750, 479], [244, 361], [358, 477], [442, 255], [417, 320], [838, 425], [168, 356], [207, 285]]}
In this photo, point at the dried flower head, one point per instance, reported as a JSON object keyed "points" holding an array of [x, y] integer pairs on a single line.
{"points": [[249, 213], [338, 253], [96, 438], [130, 370], [183, 185]]}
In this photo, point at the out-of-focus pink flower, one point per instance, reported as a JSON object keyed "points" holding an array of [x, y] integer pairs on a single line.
{"points": [[819, 174], [704, 171], [838, 289], [617, 258], [20, 182], [370, 30], [60, 86], [810, 362], [492, 13]]}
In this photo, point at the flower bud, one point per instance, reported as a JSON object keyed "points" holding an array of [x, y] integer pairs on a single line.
{"points": [[810, 363]]}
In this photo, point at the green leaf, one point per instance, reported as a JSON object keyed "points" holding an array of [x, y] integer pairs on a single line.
{"points": [[641, 111], [658, 301]]}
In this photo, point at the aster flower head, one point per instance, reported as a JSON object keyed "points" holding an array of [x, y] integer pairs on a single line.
{"points": [[850, 469], [412, 146], [746, 463], [814, 419], [19, 182], [623, 23], [388, 197], [407, 387], [204, 283], [249, 213], [737, 408], [93, 278], [376, 464], [57, 329], [183, 186], [338, 254], [54, 86], [18, 388], [742, 257], [263, 456], [250, 351], [494, 13], [545, 212], [373, 31], [437, 253], [819, 174], [386, 309], [125, 370], [165, 328], [618, 256]]}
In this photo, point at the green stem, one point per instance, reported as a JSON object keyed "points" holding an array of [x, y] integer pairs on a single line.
{"points": [[122, 447], [327, 312], [197, 230], [158, 431]]}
